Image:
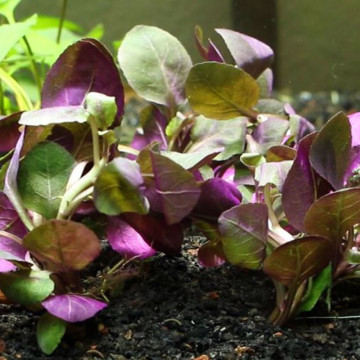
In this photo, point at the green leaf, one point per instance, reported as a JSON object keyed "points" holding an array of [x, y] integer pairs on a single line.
{"points": [[220, 91], [243, 231], [273, 173], [297, 260], [26, 287], [7, 7], [322, 282], [102, 108], [117, 189], [194, 160], [42, 178], [63, 245], [330, 151], [334, 214], [10, 34], [209, 134], [155, 64], [49, 332]]}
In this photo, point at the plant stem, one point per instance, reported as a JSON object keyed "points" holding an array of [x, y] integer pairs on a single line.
{"points": [[71, 196], [62, 18], [280, 235]]}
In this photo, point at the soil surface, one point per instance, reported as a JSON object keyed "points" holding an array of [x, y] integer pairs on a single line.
{"points": [[181, 311]]}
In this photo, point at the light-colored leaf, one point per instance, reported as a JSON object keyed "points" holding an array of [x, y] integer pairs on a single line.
{"points": [[155, 64]]}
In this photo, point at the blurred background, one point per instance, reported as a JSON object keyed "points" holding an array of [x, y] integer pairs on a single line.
{"points": [[315, 42]]}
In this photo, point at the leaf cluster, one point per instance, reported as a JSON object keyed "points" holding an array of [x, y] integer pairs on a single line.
{"points": [[212, 151]]}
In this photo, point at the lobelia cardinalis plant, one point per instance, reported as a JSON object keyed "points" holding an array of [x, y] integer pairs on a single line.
{"points": [[213, 150]]}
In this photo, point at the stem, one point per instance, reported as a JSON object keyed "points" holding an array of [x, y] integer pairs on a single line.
{"points": [[62, 18], [280, 235], [11, 236], [70, 198]]}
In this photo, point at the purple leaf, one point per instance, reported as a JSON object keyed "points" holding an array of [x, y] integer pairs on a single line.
{"points": [[354, 163], [331, 150], [11, 223], [170, 189], [299, 187], [211, 254], [156, 232], [9, 132], [217, 196], [269, 133], [244, 231], [6, 266], [125, 240], [249, 54], [210, 53], [86, 66], [72, 308], [153, 124]]}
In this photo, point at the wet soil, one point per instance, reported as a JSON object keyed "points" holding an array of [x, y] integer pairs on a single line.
{"points": [[180, 311]]}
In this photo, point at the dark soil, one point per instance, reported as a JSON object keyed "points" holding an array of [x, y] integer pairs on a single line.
{"points": [[180, 311]]}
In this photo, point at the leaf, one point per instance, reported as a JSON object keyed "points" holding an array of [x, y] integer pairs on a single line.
{"points": [[156, 232], [280, 153], [102, 108], [211, 254], [26, 287], [152, 125], [49, 332], [209, 134], [269, 133], [54, 115], [330, 151], [42, 178], [10, 223], [193, 160], [273, 173], [155, 64], [10, 34], [170, 189], [297, 260], [322, 282], [265, 82], [86, 66], [63, 245], [243, 231], [9, 132], [125, 240], [334, 214], [10, 184], [299, 188], [217, 196], [118, 188], [221, 91], [73, 308], [210, 53], [7, 7], [249, 54]]}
